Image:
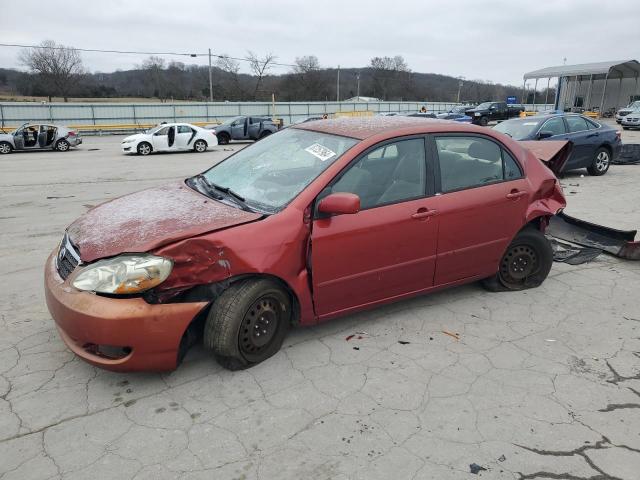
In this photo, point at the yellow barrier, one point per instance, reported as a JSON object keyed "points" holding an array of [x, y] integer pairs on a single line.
{"points": [[527, 114], [365, 113], [591, 114]]}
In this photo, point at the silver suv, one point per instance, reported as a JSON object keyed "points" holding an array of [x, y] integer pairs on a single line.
{"points": [[623, 112]]}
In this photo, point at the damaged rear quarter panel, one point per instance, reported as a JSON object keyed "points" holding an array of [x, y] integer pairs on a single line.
{"points": [[252, 248]]}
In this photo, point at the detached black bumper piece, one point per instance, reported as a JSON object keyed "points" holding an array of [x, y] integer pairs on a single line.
{"points": [[621, 243]]}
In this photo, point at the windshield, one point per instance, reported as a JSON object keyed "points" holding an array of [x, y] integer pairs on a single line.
{"points": [[153, 130], [459, 109], [229, 121], [518, 129], [484, 105], [272, 172]]}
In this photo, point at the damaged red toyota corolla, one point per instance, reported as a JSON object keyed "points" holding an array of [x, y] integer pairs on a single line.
{"points": [[319, 220]]}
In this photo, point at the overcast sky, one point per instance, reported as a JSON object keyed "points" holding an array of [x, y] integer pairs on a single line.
{"points": [[478, 39]]}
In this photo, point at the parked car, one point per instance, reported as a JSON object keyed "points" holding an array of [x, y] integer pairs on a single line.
{"points": [[36, 136], [623, 112], [595, 144], [455, 113], [631, 120], [489, 111], [170, 137], [319, 220], [419, 115], [243, 128]]}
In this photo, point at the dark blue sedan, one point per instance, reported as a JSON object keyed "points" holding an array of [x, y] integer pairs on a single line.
{"points": [[594, 144]]}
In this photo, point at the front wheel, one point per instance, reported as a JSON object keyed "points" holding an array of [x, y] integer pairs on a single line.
{"points": [[247, 323], [144, 148], [484, 121], [200, 146], [223, 138], [5, 147], [525, 264], [62, 145], [601, 162]]}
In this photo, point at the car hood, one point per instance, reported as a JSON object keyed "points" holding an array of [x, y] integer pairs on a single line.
{"points": [[150, 219], [137, 136]]}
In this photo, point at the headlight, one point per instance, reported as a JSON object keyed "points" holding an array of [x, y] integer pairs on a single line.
{"points": [[476, 114], [124, 274]]}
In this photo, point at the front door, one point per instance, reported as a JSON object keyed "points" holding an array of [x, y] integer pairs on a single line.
{"points": [[30, 134], [160, 140], [18, 139], [239, 129], [386, 250], [482, 203]]}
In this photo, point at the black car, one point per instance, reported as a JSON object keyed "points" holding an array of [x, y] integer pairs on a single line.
{"points": [[488, 111], [595, 144]]}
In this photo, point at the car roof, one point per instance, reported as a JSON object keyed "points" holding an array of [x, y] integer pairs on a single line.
{"points": [[364, 127]]}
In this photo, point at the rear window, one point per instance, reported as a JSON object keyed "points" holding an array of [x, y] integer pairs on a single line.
{"points": [[577, 124]]}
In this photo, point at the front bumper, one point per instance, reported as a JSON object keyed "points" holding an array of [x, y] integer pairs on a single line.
{"points": [[151, 333]]}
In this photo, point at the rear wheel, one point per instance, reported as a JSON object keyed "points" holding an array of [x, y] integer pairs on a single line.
{"points": [[248, 323], [5, 147], [144, 148], [601, 162], [62, 145], [223, 138], [525, 264], [200, 146]]}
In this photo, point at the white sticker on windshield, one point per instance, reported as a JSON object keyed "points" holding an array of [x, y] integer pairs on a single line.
{"points": [[323, 153], [530, 123]]}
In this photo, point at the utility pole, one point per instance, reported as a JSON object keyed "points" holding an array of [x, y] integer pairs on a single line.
{"points": [[338, 86], [358, 88], [459, 88], [210, 79]]}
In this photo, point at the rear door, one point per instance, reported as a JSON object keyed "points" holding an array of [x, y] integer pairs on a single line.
{"points": [[482, 201], [584, 142], [239, 129], [254, 127], [184, 137], [386, 250]]}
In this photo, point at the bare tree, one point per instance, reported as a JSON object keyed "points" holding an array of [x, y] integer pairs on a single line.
{"points": [[307, 75], [389, 72], [59, 68], [231, 67], [155, 72], [259, 67]]}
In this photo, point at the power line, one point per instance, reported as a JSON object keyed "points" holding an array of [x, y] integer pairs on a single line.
{"points": [[135, 52]]}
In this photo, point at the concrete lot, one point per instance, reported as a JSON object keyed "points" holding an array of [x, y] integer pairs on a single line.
{"points": [[543, 383]]}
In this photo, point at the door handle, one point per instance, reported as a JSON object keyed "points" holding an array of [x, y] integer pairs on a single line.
{"points": [[515, 194], [423, 214], [593, 135]]}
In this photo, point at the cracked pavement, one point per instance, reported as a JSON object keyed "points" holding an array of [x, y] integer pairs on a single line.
{"points": [[542, 384]]}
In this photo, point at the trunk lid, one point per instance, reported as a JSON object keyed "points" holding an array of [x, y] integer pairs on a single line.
{"points": [[149, 219], [553, 153]]}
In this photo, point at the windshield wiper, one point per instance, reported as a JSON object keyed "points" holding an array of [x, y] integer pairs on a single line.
{"points": [[236, 197]]}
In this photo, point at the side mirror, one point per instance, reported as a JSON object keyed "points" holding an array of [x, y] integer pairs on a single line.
{"points": [[339, 204], [544, 134]]}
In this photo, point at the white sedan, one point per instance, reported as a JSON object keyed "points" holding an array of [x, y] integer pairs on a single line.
{"points": [[170, 137]]}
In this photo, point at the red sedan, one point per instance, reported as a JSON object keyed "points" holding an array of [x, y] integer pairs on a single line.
{"points": [[316, 221]]}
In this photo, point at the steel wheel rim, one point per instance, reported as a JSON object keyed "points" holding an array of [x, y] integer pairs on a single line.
{"points": [[63, 146], [144, 149], [518, 264], [259, 326], [4, 148], [200, 147], [602, 161]]}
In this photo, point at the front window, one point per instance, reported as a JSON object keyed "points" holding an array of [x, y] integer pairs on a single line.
{"points": [[484, 106], [233, 121], [272, 172], [518, 129]]}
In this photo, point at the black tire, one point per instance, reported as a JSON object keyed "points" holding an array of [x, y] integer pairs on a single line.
{"points": [[62, 145], [601, 162], [248, 323], [223, 138], [525, 264], [484, 121], [200, 146], [144, 148], [5, 148]]}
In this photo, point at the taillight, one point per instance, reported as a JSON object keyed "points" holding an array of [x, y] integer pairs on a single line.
{"points": [[72, 134]]}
